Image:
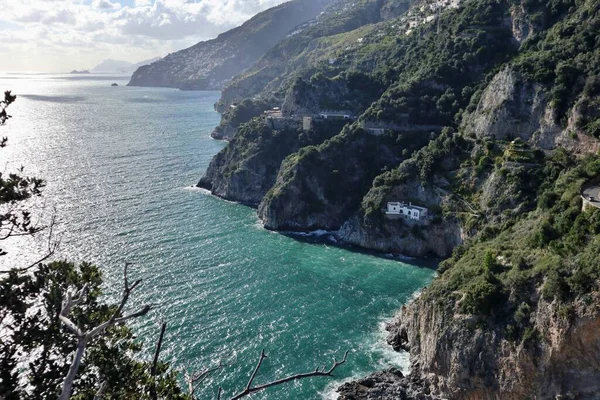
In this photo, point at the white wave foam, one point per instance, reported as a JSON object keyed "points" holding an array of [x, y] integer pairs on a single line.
{"points": [[197, 189]]}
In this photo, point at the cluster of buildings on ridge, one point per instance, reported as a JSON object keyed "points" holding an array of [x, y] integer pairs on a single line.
{"points": [[421, 15], [276, 120]]}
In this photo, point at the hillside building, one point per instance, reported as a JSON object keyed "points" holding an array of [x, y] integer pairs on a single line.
{"points": [[408, 211], [335, 114], [306, 123]]}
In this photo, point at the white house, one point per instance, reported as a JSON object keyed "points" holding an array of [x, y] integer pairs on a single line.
{"points": [[408, 211]]}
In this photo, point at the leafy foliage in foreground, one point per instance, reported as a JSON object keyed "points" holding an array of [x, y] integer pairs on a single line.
{"points": [[14, 189], [36, 350]]}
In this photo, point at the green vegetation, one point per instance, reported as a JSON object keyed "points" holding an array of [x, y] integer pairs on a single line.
{"points": [[241, 113], [435, 73], [564, 57], [112, 357], [36, 349], [553, 247], [338, 194]]}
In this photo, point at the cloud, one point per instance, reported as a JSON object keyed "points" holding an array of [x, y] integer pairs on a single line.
{"points": [[132, 30], [105, 5]]}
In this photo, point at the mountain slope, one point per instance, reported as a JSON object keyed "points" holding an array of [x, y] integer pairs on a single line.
{"points": [[210, 64], [272, 73], [109, 65], [488, 115]]}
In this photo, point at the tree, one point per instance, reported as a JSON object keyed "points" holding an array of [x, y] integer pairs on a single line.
{"points": [[16, 219], [110, 357], [35, 349]]}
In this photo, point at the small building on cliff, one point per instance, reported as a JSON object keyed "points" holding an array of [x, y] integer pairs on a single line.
{"points": [[407, 211], [335, 114]]}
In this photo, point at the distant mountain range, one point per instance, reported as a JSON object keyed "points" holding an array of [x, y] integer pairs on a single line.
{"points": [[108, 66], [213, 63]]}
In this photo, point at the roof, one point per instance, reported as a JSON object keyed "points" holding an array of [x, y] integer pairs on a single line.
{"points": [[412, 206]]}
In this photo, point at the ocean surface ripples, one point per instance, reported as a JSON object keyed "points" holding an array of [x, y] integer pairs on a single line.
{"points": [[119, 163]]}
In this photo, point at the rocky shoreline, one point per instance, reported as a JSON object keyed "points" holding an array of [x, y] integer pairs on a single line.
{"points": [[389, 384]]}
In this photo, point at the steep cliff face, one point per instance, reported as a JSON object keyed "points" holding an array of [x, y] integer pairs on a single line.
{"points": [[456, 357], [320, 187], [488, 115], [246, 169], [512, 107], [238, 114], [431, 236], [211, 64], [393, 9]]}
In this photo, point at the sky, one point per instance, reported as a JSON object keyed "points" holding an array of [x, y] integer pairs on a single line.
{"points": [[62, 35]]}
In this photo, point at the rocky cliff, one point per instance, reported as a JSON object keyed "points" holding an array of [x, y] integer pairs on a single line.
{"points": [[434, 235], [308, 46], [457, 357], [488, 115], [320, 187], [210, 65], [247, 168]]}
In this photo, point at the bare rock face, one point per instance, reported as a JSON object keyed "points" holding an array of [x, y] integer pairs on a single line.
{"points": [[510, 108], [398, 236], [393, 8], [521, 26], [223, 132], [458, 356]]}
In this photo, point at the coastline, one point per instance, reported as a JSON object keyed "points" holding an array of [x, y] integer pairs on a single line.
{"points": [[321, 236]]}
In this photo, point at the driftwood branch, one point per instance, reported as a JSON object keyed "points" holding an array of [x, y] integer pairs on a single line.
{"points": [[317, 372], [83, 338]]}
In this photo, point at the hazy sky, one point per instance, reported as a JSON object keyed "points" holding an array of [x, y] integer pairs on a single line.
{"points": [[61, 35]]}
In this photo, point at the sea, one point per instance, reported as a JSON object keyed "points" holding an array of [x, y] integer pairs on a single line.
{"points": [[120, 164]]}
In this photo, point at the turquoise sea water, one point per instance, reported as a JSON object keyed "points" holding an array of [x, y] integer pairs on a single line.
{"points": [[119, 163]]}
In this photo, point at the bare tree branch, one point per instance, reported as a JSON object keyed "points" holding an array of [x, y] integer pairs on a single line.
{"points": [[84, 337], [317, 372], [153, 369], [195, 378], [52, 247], [100, 392], [260, 360]]}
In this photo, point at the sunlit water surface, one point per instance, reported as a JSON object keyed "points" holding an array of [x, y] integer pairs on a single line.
{"points": [[119, 163]]}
